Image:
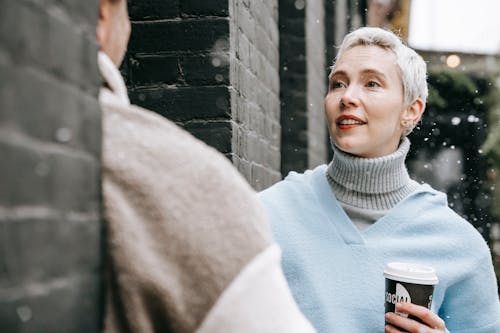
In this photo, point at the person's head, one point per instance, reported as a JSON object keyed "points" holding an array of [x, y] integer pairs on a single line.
{"points": [[113, 29], [377, 92]]}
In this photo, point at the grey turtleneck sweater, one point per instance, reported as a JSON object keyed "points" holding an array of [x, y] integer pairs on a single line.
{"points": [[368, 187]]}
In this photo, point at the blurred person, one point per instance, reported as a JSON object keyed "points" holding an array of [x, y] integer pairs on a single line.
{"points": [[188, 247], [340, 224]]}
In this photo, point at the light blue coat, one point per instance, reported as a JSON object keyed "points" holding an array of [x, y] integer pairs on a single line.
{"points": [[335, 270]]}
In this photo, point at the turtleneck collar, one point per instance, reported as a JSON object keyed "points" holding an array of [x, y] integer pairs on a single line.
{"points": [[373, 183]]}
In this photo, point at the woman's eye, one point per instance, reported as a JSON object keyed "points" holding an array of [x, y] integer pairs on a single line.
{"points": [[372, 84], [337, 84]]}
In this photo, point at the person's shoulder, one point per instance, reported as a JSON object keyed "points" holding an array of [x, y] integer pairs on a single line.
{"points": [[425, 192], [150, 142], [132, 122], [294, 187], [451, 223], [133, 125], [297, 180], [307, 175]]}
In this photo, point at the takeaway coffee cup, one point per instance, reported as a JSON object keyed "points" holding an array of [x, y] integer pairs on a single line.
{"points": [[407, 282]]}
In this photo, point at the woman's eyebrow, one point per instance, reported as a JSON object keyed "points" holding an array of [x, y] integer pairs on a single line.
{"points": [[366, 71], [338, 73], [372, 71]]}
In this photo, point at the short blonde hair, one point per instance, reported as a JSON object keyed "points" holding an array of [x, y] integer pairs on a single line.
{"points": [[412, 67]]}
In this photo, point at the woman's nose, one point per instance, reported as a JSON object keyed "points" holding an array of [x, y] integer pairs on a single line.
{"points": [[350, 96]]}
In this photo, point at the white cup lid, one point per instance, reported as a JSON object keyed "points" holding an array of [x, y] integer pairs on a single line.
{"points": [[411, 273]]}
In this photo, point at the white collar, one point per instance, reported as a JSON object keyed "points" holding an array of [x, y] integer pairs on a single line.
{"points": [[115, 93]]}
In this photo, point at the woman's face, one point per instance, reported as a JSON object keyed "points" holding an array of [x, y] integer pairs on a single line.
{"points": [[365, 103]]}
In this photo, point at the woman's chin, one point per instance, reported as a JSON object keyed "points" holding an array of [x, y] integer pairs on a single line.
{"points": [[346, 147]]}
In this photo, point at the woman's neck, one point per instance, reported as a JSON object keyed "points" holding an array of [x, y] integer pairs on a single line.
{"points": [[371, 183]]}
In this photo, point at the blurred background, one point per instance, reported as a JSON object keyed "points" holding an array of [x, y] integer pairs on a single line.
{"points": [[457, 146], [248, 77]]}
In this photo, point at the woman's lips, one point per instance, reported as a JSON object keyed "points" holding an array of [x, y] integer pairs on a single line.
{"points": [[347, 122]]}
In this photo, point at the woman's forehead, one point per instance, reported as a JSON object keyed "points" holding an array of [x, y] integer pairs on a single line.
{"points": [[368, 58]]}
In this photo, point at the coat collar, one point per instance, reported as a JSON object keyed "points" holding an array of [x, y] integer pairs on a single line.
{"points": [[113, 91]]}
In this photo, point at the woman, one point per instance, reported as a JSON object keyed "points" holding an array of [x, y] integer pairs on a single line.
{"points": [[338, 225]]}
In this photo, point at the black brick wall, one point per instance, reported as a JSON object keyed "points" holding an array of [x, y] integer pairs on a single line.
{"points": [[212, 67], [50, 231], [177, 65]]}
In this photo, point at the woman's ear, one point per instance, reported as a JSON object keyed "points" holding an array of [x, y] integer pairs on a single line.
{"points": [[413, 113]]}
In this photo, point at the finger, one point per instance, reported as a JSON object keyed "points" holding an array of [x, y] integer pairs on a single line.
{"points": [[405, 324], [421, 312], [391, 329]]}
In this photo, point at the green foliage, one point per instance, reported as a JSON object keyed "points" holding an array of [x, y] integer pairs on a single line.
{"points": [[492, 145], [452, 90], [455, 93]]}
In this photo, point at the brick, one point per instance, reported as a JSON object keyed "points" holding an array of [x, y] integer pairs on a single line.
{"points": [[273, 31], [80, 12], [243, 50], [34, 237], [206, 69], [186, 35], [257, 8], [270, 51], [185, 103], [256, 119], [295, 158], [255, 59], [62, 37], [273, 157], [262, 176], [19, 44], [141, 10], [272, 103], [256, 146], [272, 130], [204, 8], [241, 108], [244, 21], [153, 69], [293, 47], [243, 166], [89, 133], [293, 97], [217, 134], [37, 174], [243, 78], [65, 305], [291, 120], [262, 43], [46, 107], [287, 9], [240, 141], [40, 42], [272, 7]]}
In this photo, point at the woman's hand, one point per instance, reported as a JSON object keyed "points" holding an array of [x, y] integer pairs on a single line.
{"points": [[433, 324]]}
